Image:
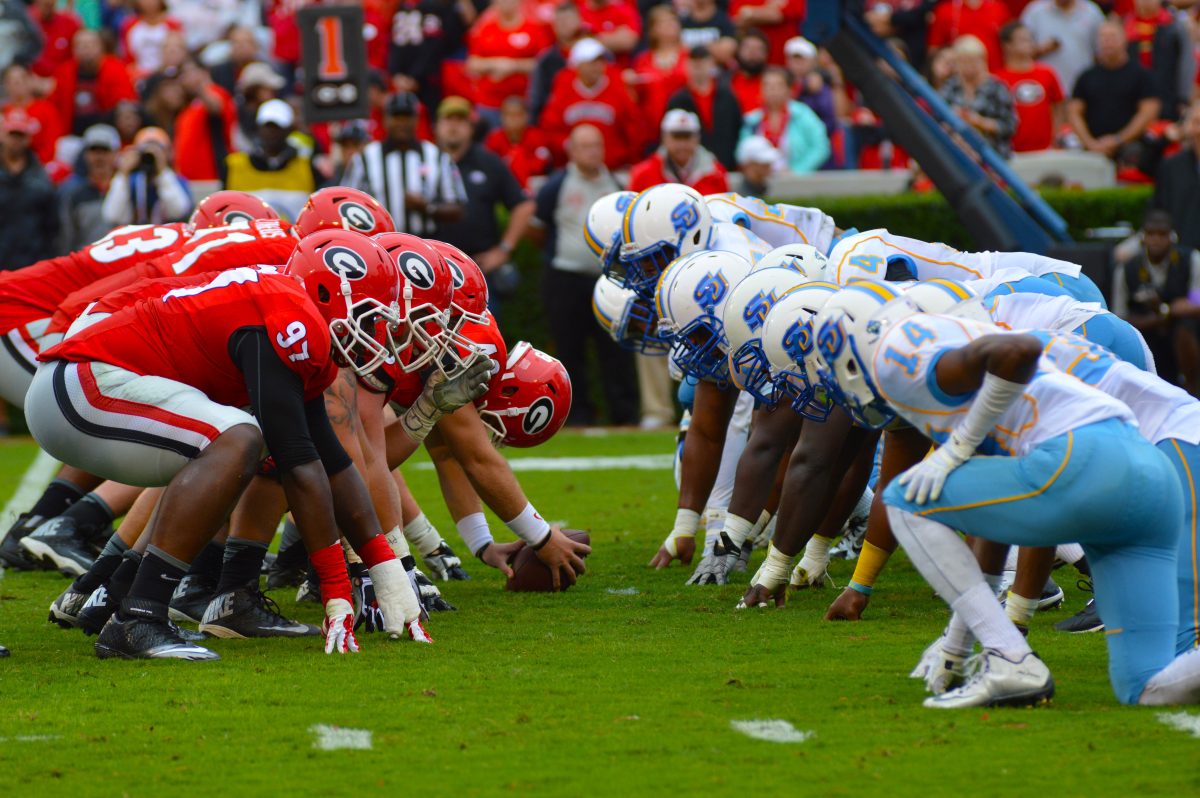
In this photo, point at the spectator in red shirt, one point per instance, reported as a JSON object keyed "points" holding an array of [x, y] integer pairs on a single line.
{"points": [[88, 87], [1037, 95], [501, 52], [18, 93], [614, 23], [680, 159], [657, 72], [143, 34], [203, 128], [592, 92], [979, 18], [778, 19], [746, 80], [1160, 42], [525, 149], [713, 102], [58, 28]]}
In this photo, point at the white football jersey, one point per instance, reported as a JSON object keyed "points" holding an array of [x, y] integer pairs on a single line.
{"points": [[777, 224], [726, 237], [1162, 410], [866, 256], [1040, 312], [1053, 403]]}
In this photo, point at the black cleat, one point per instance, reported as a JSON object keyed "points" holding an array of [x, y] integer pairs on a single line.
{"points": [[1086, 620], [1051, 598], [147, 638], [309, 592], [57, 546], [11, 554], [66, 608], [96, 611], [248, 612], [191, 599]]}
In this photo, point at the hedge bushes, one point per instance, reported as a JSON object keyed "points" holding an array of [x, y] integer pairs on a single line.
{"points": [[925, 216]]}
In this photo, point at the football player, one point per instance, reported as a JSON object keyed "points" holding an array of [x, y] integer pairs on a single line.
{"points": [[975, 390]]}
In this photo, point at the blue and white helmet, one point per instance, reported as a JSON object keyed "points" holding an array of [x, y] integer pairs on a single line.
{"points": [[789, 343], [661, 224], [846, 341], [627, 318], [690, 301], [948, 297], [602, 228], [744, 315], [802, 258]]}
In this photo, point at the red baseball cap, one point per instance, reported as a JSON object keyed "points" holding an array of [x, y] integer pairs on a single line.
{"points": [[17, 121]]}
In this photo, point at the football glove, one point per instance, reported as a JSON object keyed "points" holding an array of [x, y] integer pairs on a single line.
{"points": [[430, 596], [714, 569], [367, 612], [445, 564], [338, 627]]}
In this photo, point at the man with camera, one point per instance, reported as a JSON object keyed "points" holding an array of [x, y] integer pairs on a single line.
{"points": [[145, 190]]}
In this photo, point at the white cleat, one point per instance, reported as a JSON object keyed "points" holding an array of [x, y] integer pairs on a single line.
{"points": [[1178, 683], [996, 681]]}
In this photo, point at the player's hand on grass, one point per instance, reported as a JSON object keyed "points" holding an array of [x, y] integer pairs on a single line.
{"points": [[770, 581], [444, 564], [416, 632], [368, 616], [500, 556], [848, 606], [338, 627], [563, 557], [760, 596], [809, 573], [675, 547], [714, 569]]}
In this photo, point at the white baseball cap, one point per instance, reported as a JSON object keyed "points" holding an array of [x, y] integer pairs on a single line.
{"points": [[275, 112], [678, 120], [798, 45], [756, 149], [586, 50]]}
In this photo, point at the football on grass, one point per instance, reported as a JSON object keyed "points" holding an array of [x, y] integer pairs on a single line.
{"points": [[530, 575]]}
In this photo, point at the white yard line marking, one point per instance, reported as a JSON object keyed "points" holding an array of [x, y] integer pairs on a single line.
{"points": [[336, 738], [773, 730], [30, 738], [641, 462], [35, 480], [623, 591], [1181, 721]]}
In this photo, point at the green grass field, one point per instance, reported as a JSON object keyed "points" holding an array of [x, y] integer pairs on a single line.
{"points": [[626, 685]]}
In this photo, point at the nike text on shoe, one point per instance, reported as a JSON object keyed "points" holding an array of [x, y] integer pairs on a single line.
{"points": [[57, 546], [246, 612], [66, 608], [191, 599], [146, 638], [993, 681], [96, 611]]}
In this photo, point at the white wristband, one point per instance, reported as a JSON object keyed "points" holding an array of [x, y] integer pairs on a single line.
{"points": [[530, 527], [422, 534], [473, 529]]}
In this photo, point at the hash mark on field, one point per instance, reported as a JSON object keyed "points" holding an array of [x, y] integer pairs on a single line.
{"points": [[773, 730], [641, 462], [622, 591], [336, 738], [1181, 721], [30, 738]]}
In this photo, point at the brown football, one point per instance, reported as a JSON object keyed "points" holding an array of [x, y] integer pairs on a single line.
{"points": [[530, 575]]}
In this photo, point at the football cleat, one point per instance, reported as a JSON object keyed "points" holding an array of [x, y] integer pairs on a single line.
{"points": [[96, 611], [1051, 598], [191, 599], [309, 592], [994, 681], [428, 593], [289, 567], [1082, 622], [147, 638], [11, 554], [57, 545], [248, 612], [66, 608], [854, 532], [445, 564], [946, 674]]}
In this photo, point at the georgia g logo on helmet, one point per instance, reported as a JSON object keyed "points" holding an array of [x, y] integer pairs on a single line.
{"points": [[415, 269], [356, 217], [345, 262], [456, 273], [237, 217], [538, 417]]}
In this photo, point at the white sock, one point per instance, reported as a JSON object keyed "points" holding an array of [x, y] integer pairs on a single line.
{"points": [[983, 614], [1178, 683], [1070, 553], [959, 639], [422, 535]]}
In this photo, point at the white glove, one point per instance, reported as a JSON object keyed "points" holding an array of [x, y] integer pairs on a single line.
{"points": [[418, 634], [442, 395], [714, 569], [924, 481], [339, 627], [445, 564], [395, 596]]}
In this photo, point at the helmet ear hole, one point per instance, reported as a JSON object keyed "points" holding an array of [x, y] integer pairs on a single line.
{"points": [[323, 294]]}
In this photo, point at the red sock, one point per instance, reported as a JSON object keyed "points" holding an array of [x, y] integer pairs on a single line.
{"points": [[375, 551], [330, 564]]}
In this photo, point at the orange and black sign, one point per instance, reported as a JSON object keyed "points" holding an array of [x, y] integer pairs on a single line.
{"points": [[334, 56]]}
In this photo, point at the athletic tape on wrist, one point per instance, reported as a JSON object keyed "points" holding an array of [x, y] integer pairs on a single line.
{"points": [[686, 523], [738, 529], [395, 539], [422, 535], [775, 571]]}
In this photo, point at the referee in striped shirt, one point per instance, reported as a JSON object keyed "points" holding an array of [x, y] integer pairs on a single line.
{"points": [[418, 183]]}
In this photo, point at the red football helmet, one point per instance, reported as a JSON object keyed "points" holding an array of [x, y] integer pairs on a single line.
{"points": [[530, 401], [345, 209], [426, 294], [354, 284], [470, 286], [229, 207]]}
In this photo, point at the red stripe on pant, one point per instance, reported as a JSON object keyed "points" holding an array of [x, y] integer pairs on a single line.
{"points": [[126, 407]]}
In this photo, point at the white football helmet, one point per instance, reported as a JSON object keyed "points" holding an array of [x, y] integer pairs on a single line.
{"points": [[743, 317], [802, 258], [862, 256], [627, 318], [661, 224], [789, 344], [602, 228], [948, 297], [690, 301], [847, 342]]}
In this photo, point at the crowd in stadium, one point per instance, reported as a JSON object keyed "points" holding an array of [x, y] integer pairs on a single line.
{"points": [[128, 111]]}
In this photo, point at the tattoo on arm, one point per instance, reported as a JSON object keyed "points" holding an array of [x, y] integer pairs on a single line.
{"points": [[341, 401]]}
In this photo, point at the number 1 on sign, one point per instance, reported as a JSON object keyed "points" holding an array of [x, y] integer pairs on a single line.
{"points": [[332, 65]]}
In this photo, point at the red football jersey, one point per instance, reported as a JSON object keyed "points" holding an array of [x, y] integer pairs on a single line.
{"points": [[1035, 92], [404, 388], [36, 291], [184, 335], [490, 39], [265, 241]]}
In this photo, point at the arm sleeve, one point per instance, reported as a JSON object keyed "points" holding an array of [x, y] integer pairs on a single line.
{"points": [[277, 401]]}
